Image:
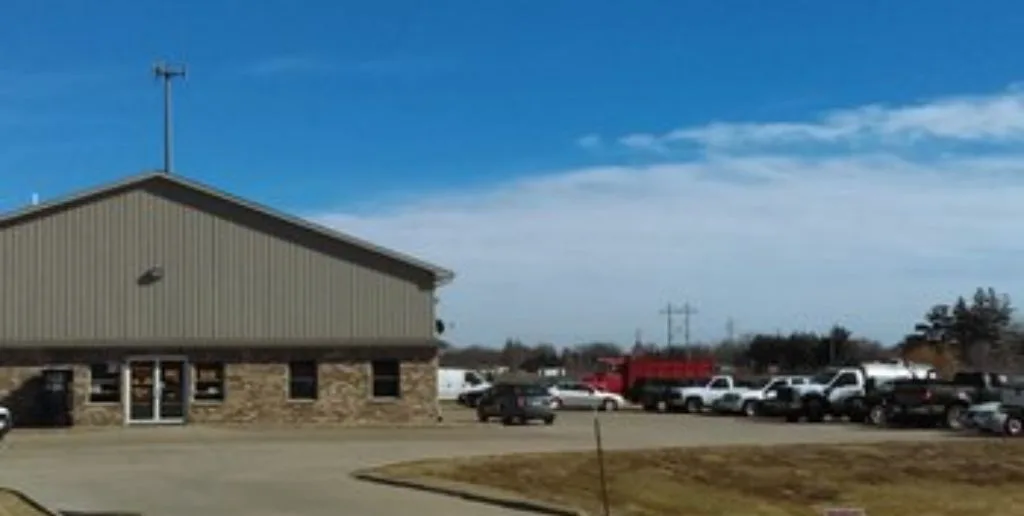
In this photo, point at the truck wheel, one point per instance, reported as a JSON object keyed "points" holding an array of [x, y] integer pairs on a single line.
{"points": [[952, 417], [749, 408], [508, 420], [814, 410], [876, 416], [792, 417], [661, 407], [855, 410], [1013, 426], [481, 417], [693, 406]]}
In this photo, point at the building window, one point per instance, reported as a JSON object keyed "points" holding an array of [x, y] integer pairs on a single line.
{"points": [[209, 382], [387, 378], [105, 383], [302, 380]]}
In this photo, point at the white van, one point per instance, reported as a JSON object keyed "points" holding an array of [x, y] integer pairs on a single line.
{"points": [[454, 381]]}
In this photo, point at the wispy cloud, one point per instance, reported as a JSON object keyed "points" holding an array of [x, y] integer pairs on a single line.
{"points": [[590, 141], [867, 236], [288, 65], [33, 84], [298, 64], [997, 118]]}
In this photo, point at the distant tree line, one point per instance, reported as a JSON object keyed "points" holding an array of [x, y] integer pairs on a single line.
{"points": [[979, 332]]}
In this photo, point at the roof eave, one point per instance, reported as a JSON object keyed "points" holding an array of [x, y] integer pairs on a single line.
{"points": [[441, 275]]}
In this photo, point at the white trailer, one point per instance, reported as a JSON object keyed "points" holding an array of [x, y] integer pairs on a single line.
{"points": [[452, 381]]}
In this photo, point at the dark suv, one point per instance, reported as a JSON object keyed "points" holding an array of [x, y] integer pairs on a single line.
{"points": [[516, 403]]}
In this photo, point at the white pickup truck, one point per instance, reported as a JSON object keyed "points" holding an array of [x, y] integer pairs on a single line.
{"points": [[829, 392], [695, 399], [748, 402]]}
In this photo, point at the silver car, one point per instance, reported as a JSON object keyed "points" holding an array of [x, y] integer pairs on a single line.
{"points": [[578, 395], [985, 417]]}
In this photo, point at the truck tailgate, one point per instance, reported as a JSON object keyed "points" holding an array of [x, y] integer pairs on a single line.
{"points": [[912, 394]]}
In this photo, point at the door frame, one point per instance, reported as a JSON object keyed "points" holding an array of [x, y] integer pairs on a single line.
{"points": [[126, 383]]}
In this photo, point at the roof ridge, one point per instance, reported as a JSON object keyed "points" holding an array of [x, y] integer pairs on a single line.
{"points": [[441, 274]]}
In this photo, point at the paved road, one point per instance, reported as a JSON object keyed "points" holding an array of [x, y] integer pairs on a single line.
{"points": [[229, 472]]}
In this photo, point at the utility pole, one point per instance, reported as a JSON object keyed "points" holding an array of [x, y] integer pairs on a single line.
{"points": [[687, 312], [167, 73], [670, 311], [730, 330]]}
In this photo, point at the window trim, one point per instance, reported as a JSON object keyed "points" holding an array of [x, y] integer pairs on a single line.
{"points": [[724, 384], [291, 380], [841, 375], [372, 383], [195, 383], [118, 382]]}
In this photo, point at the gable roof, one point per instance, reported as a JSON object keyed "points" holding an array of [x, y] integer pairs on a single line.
{"points": [[441, 274]]}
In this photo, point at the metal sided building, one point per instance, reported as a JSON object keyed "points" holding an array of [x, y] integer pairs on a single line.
{"points": [[162, 300]]}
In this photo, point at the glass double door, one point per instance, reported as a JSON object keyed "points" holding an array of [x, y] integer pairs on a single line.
{"points": [[157, 390]]}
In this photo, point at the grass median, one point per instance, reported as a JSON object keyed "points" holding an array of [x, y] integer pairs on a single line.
{"points": [[962, 478]]}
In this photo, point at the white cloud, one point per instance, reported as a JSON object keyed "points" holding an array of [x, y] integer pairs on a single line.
{"points": [[288, 65], [777, 241], [590, 141], [992, 119], [380, 67], [643, 141]]}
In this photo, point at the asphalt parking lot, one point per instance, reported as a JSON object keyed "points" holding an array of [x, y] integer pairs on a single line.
{"points": [[169, 471]]}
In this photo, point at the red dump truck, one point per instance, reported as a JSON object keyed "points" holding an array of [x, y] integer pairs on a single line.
{"points": [[619, 374]]}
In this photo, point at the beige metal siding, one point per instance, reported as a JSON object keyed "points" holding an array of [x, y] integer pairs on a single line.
{"points": [[73, 275]]}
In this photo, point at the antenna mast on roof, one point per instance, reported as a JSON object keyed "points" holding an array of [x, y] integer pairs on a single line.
{"points": [[166, 73]]}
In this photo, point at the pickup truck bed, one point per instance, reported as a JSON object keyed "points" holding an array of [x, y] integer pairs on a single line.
{"points": [[657, 395], [939, 401], [872, 406]]}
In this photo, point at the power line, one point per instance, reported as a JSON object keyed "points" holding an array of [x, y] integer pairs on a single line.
{"points": [[688, 311], [670, 311], [167, 73]]}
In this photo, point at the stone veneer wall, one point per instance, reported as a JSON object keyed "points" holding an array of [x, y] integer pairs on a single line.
{"points": [[20, 386], [256, 386], [256, 390]]}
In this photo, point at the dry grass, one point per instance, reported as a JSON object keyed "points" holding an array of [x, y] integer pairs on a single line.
{"points": [[13, 505], [965, 478]]}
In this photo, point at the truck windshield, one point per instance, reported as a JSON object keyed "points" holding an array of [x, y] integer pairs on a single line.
{"points": [[973, 379], [824, 377], [608, 365]]}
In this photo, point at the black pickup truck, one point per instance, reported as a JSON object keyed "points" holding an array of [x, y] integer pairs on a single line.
{"points": [[654, 394], [943, 401], [871, 407]]}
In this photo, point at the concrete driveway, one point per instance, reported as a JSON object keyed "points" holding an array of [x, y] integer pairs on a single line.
{"points": [[227, 472]]}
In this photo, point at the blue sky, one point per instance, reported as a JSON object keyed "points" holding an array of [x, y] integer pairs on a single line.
{"points": [[577, 163]]}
